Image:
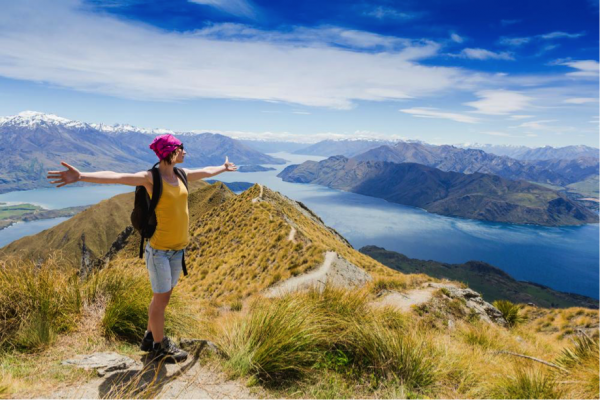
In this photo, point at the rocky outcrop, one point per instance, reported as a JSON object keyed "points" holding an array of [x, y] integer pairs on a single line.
{"points": [[473, 302]]}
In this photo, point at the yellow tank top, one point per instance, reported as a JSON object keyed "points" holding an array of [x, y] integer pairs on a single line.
{"points": [[172, 218]]}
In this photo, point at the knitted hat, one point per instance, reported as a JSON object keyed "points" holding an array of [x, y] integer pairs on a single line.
{"points": [[163, 145]]}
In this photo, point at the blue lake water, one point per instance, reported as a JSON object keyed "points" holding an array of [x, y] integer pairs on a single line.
{"points": [[565, 259]]}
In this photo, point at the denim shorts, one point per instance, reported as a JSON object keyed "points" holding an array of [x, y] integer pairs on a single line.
{"points": [[164, 268]]}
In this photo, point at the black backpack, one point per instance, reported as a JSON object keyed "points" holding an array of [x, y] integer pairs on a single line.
{"points": [[143, 217]]}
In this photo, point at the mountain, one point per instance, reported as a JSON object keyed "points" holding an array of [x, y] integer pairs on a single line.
{"points": [[33, 143], [268, 146], [477, 196], [538, 153], [348, 148], [491, 282], [468, 161]]}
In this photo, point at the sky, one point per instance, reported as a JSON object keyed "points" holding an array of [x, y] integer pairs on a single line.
{"points": [[442, 71]]}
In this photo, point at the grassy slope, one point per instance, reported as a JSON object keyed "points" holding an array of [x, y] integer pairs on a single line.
{"points": [[309, 345], [587, 188], [239, 247], [491, 282]]}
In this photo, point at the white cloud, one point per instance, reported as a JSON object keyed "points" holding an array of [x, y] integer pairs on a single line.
{"points": [[558, 35], [483, 54], [498, 134], [514, 41], [103, 54], [539, 125], [241, 8], [531, 135], [389, 13], [434, 113], [457, 38], [581, 100], [517, 116], [585, 68], [304, 138], [499, 102]]}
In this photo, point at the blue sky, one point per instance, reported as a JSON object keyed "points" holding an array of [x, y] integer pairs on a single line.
{"points": [[446, 71]]}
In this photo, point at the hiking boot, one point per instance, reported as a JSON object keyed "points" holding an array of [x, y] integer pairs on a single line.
{"points": [[168, 350], [147, 342]]}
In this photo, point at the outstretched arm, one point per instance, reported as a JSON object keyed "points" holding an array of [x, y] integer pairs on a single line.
{"points": [[207, 172], [72, 175]]}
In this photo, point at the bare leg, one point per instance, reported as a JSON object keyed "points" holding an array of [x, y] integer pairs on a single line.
{"points": [[156, 314]]}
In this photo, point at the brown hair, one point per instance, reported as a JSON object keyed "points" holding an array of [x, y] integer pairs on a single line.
{"points": [[170, 158]]}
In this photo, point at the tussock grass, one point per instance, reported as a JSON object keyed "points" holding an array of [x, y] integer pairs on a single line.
{"points": [[127, 293], [36, 303], [529, 382], [582, 362], [278, 339], [511, 312]]}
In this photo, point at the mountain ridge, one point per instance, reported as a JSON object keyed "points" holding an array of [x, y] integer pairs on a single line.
{"points": [[476, 196]]}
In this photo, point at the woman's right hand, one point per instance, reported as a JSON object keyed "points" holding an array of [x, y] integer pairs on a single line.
{"points": [[71, 175]]}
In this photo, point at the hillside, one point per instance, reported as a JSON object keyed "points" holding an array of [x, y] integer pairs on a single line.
{"points": [[364, 330], [491, 282], [33, 143], [80, 243], [348, 148], [477, 196]]}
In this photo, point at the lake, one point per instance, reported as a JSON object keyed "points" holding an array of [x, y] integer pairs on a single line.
{"points": [[564, 258]]}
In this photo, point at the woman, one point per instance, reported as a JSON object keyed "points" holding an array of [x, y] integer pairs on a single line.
{"points": [[164, 251]]}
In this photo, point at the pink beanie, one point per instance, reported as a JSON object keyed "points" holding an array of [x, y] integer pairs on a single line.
{"points": [[163, 145]]}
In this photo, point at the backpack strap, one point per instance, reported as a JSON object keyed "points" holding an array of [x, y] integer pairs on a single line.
{"points": [[183, 176], [156, 193]]}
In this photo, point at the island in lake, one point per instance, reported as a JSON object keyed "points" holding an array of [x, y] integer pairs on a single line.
{"points": [[254, 168], [13, 213]]}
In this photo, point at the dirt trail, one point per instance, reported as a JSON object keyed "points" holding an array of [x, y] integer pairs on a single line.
{"points": [[404, 301], [335, 270], [189, 380]]}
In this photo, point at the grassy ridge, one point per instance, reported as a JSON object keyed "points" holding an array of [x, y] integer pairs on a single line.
{"points": [[329, 343]]}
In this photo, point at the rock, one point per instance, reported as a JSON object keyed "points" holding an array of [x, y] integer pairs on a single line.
{"points": [[102, 362], [474, 302]]}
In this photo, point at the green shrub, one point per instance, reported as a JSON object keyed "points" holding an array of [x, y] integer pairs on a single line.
{"points": [[510, 312]]}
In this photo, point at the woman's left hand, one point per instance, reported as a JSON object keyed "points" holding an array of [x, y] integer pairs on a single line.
{"points": [[228, 165]]}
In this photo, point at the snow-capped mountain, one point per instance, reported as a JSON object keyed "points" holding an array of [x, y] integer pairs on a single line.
{"points": [[538, 153], [34, 142]]}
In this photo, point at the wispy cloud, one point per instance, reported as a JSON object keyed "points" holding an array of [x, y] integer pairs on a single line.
{"points": [[520, 41], [503, 134], [435, 113], [538, 125], [455, 37], [559, 34], [507, 22], [389, 13], [581, 100], [514, 41], [304, 138], [500, 102], [103, 54], [483, 54], [585, 68], [240, 8], [516, 116]]}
